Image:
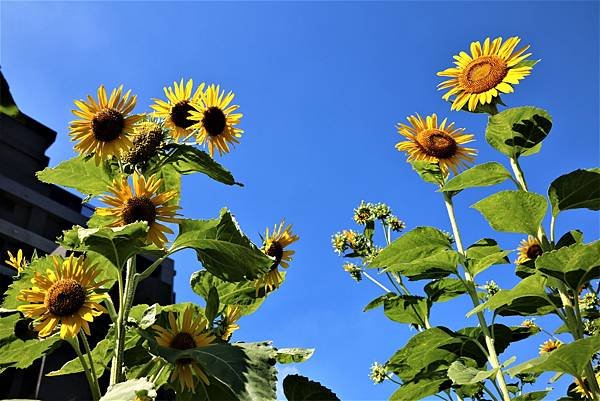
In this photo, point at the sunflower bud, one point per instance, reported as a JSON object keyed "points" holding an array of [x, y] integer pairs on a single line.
{"points": [[378, 372], [395, 223], [364, 213], [146, 142], [353, 270]]}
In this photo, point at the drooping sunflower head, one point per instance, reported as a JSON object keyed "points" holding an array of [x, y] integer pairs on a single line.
{"points": [[17, 261], [435, 143], [176, 110], [67, 295], [185, 331], [143, 202], [529, 249], [274, 245], [489, 70], [549, 346], [105, 125], [147, 140], [231, 315], [215, 120]]}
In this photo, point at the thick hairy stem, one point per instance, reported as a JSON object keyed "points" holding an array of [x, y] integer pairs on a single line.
{"points": [[489, 341], [86, 347], [94, 389]]}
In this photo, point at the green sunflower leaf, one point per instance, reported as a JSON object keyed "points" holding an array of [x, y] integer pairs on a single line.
{"points": [[533, 396], [574, 265], [444, 289], [222, 248], [20, 354], [570, 238], [420, 389], [481, 175], [569, 358], [294, 355], [460, 373], [212, 304], [483, 254], [407, 309], [429, 172], [39, 265], [80, 174], [579, 189], [129, 390], [513, 211], [518, 131], [101, 354], [300, 388]]}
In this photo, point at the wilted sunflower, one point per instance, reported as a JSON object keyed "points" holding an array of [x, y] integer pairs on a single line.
{"points": [[17, 261], [143, 203], [176, 110], [436, 144], [550, 346], [216, 120], [529, 249], [105, 125], [274, 245], [68, 295], [185, 332], [489, 70], [229, 324]]}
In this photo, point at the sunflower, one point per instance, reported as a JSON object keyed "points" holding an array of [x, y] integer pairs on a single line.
{"points": [[176, 110], [216, 120], [17, 261], [229, 324], [529, 249], [68, 295], [549, 346], [528, 324], [580, 387], [490, 70], [146, 143], [185, 332], [274, 245], [105, 125], [435, 144], [143, 203]]}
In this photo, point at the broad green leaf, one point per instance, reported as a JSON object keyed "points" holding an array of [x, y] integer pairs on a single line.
{"points": [[460, 373], [300, 388], [222, 248], [518, 131], [21, 354], [80, 174], [483, 254], [188, 160], [429, 172], [39, 265], [574, 265], [212, 304], [156, 369], [444, 289], [533, 396], [513, 211], [408, 309], [570, 238], [117, 244], [420, 389], [171, 181], [242, 293], [481, 175], [378, 301], [579, 189], [424, 252], [527, 298], [101, 354], [7, 325], [127, 391], [294, 355], [503, 335], [569, 358]]}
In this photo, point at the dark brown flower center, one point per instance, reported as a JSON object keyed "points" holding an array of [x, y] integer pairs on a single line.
{"points": [[275, 250], [533, 251], [107, 125], [180, 114], [183, 341], [145, 145], [139, 208], [65, 297], [483, 74], [437, 143], [214, 121]]}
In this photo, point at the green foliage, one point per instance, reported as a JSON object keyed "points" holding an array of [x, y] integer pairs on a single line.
{"points": [[101, 355], [408, 309], [481, 175], [24, 281], [222, 248], [460, 373], [241, 293], [20, 354], [300, 388], [513, 211], [484, 254], [429, 172], [574, 265], [294, 355], [128, 390], [579, 189], [518, 131], [444, 289]]}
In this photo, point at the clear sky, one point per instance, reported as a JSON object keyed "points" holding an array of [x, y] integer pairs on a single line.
{"points": [[321, 86]]}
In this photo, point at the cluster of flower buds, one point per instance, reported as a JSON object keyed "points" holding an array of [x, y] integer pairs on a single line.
{"points": [[589, 302], [354, 271], [367, 212], [351, 240], [378, 372], [491, 288]]}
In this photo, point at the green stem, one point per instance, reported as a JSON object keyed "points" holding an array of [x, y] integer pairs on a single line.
{"points": [[383, 287], [489, 341], [93, 389], [110, 306], [86, 347]]}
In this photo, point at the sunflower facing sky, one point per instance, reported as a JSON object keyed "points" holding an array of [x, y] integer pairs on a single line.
{"points": [[550, 346], [489, 70], [105, 125], [185, 332], [143, 203], [68, 295], [215, 120], [435, 144], [529, 249], [176, 110], [274, 245]]}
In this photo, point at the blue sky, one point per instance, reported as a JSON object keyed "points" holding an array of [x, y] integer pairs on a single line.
{"points": [[321, 86]]}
